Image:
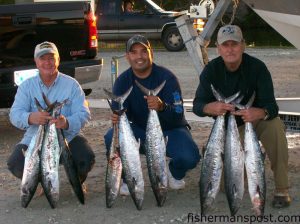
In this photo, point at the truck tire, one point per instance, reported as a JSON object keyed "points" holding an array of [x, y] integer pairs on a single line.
{"points": [[172, 39]]}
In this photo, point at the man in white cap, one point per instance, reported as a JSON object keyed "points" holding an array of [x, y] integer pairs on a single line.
{"points": [[75, 113], [235, 71]]}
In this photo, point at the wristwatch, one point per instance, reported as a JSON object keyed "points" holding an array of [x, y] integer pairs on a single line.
{"points": [[267, 115]]}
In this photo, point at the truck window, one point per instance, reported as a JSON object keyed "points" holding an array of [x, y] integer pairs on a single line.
{"points": [[128, 6], [135, 7], [109, 7]]}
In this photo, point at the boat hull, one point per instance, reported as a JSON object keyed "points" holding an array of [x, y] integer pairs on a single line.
{"points": [[283, 16]]}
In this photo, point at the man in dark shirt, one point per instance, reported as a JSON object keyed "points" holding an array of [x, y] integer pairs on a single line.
{"points": [[181, 148], [235, 71]]}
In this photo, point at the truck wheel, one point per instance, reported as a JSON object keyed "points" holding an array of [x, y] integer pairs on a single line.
{"points": [[172, 39]]}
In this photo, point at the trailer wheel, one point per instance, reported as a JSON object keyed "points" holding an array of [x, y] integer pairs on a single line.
{"points": [[172, 39]]}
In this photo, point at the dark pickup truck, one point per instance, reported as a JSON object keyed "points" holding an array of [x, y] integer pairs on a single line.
{"points": [[70, 25], [147, 19]]}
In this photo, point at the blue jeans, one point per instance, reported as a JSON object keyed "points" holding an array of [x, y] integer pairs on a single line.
{"points": [[181, 148]]}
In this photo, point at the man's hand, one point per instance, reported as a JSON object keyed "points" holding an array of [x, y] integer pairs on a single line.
{"points": [[115, 118], [39, 118], [218, 108], [251, 114], [60, 122], [155, 103]]}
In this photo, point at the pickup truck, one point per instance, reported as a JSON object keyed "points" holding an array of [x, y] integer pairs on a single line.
{"points": [[70, 25], [147, 19]]}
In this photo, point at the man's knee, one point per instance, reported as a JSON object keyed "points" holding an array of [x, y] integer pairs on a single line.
{"points": [[15, 162], [188, 161], [83, 155], [14, 169], [271, 125]]}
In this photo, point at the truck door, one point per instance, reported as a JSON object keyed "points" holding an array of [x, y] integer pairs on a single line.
{"points": [[108, 19]]}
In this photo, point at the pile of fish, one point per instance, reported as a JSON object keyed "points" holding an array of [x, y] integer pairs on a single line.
{"points": [[123, 155], [224, 146], [42, 161], [124, 146]]}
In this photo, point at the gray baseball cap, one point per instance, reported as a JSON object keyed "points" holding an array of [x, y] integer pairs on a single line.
{"points": [[229, 32], [137, 39], [45, 48]]}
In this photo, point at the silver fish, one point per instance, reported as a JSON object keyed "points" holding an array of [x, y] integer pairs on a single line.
{"points": [[70, 167], [254, 162], [113, 168], [212, 163], [50, 155], [130, 156], [30, 178], [155, 146], [234, 166]]}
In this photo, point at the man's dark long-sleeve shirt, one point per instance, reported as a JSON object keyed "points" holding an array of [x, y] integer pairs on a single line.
{"points": [[136, 106], [252, 75]]}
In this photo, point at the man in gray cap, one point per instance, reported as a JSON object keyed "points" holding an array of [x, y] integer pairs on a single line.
{"points": [[235, 71], [168, 103], [24, 113]]}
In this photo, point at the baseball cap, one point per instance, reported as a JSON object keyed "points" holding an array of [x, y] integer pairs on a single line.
{"points": [[137, 39], [45, 48], [229, 32]]}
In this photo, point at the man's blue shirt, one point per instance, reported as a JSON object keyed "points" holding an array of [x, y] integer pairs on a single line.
{"points": [[136, 106], [64, 87]]}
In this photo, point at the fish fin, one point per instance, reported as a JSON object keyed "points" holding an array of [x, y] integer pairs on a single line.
{"points": [[251, 100], [57, 107], [38, 105], [217, 94], [209, 186], [238, 100], [48, 103], [118, 99], [258, 190], [123, 97], [263, 154], [149, 92], [146, 91], [234, 190], [239, 106], [24, 152], [203, 150], [109, 94], [159, 88], [134, 182], [233, 98], [223, 156], [158, 180], [166, 140], [110, 105], [139, 143]]}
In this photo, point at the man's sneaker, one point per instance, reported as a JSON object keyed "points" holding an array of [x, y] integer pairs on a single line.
{"points": [[124, 191], [84, 188], [175, 184]]}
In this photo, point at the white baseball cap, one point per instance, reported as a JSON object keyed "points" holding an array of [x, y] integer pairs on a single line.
{"points": [[229, 32], [45, 48]]}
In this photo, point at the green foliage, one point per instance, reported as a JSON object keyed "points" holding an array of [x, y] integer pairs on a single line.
{"points": [[6, 2]]}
